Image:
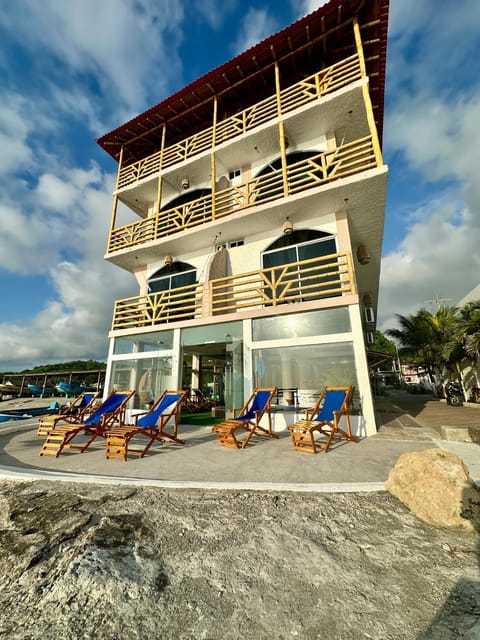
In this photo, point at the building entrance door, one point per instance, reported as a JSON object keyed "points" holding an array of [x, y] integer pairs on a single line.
{"points": [[212, 358]]}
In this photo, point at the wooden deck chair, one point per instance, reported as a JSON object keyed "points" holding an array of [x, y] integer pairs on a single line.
{"points": [[111, 411], [249, 417], [77, 410], [150, 425], [325, 419]]}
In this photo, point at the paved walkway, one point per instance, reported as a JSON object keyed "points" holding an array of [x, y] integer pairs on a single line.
{"points": [[405, 422]]}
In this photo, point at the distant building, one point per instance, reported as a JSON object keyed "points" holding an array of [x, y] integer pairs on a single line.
{"points": [[256, 199], [471, 296]]}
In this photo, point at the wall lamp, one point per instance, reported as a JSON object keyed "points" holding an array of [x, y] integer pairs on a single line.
{"points": [[367, 300], [168, 260], [287, 227], [185, 183], [363, 254]]}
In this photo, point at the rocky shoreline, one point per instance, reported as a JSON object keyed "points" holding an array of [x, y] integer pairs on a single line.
{"points": [[122, 563]]}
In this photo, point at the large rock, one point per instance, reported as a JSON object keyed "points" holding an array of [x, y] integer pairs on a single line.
{"points": [[435, 485], [474, 433]]}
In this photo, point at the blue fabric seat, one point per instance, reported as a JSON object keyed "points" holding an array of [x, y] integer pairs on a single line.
{"points": [[324, 419], [110, 412], [150, 425], [248, 418]]}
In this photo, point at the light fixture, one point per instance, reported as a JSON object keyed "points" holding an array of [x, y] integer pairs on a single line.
{"points": [[363, 254], [185, 183], [287, 227], [168, 260]]}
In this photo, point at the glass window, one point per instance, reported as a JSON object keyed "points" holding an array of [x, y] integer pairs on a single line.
{"points": [[306, 369], [301, 282], [178, 274], [148, 376], [155, 341], [224, 332], [302, 325], [172, 292]]}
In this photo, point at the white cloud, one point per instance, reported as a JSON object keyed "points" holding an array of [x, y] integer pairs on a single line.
{"points": [[214, 12], [74, 323], [14, 130], [129, 49], [256, 26], [433, 110], [304, 7], [438, 256]]}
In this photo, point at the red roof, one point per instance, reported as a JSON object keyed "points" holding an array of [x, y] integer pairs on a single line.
{"points": [[320, 38]]}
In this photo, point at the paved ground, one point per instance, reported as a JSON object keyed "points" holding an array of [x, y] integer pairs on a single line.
{"points": [[405, 422]]}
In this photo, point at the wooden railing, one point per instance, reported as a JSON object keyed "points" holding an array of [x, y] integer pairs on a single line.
{"points": [[312, 88], [182, 303], [322, 168], [303, 281]]}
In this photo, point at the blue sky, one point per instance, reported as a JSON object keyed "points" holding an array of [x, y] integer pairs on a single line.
{"points": [[71, 71]]}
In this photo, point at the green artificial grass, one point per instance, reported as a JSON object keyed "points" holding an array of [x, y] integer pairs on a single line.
{"points": [[200, 419]]}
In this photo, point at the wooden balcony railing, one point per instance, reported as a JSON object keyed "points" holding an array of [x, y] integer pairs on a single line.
{"points": [[312, 88], [303, 281], [322, 168], [172, 305]]}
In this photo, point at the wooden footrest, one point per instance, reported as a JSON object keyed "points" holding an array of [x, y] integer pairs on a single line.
{"points": [[226, 434], [116, 445], [302, 439]]}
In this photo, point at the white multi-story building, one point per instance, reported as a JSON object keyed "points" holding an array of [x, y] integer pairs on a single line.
{"points": [[249, 206]]}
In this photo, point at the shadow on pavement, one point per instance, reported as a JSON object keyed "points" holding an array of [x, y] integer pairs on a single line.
{"points": [[459, 617]]}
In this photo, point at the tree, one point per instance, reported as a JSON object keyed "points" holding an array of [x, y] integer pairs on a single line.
{"points": [[442, 340], [382, 344], [469, 328], [429, 340], [415, 337]]}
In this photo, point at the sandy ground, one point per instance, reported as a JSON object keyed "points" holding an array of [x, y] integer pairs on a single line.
{"points": [[118, 563]]}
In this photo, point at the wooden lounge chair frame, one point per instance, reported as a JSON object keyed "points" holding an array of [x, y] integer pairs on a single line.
{"points": [[324, 419], [77, 411], [110, 412], [149, 425], [248, 418]]}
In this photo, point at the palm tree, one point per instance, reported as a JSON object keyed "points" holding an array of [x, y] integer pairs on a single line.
{"points": [[416, 339], [469, 327], [431, 340], [449, 349]]}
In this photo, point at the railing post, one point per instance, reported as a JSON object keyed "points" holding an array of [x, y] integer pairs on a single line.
{"points": [[115, 198], [366, 95], [160, 183], [281, 131], [213, 163], [351, 276]]}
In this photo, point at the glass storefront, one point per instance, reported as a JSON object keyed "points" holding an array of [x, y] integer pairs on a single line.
{"points": [[302, 325], [144, 342], [305, 369], [148, 376], [213, 362]]}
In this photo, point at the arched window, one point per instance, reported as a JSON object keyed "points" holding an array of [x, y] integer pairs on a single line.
{"points": [[186, 197], [172, 276], [292, 158], [301, 244], [165, 287]]}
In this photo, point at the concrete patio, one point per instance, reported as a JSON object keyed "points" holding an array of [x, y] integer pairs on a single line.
{"points": [[404, 423]]}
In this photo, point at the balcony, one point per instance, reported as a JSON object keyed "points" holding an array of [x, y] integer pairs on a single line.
{"points": [[308, 90], [347, 159], [303, 281]]}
